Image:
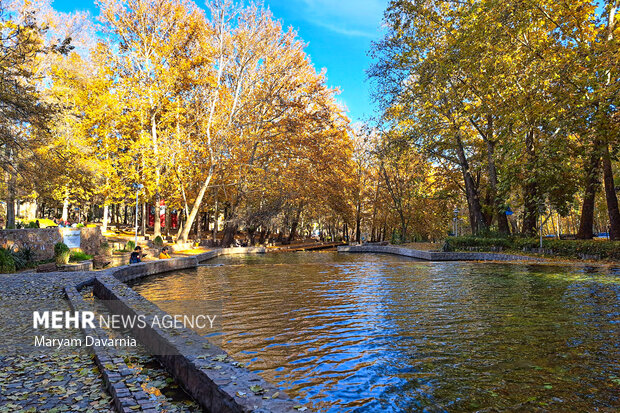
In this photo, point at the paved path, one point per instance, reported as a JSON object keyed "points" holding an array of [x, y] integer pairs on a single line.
{"points": [[34, 380]]}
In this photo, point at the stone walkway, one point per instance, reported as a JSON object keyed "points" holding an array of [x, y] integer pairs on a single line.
{"points": [[35, 379]]}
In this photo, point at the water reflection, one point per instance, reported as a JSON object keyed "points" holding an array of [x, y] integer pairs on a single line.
{"points": [[382, 333]]}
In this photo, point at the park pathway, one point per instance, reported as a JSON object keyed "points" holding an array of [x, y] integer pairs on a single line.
{"points": [[43, 379]]}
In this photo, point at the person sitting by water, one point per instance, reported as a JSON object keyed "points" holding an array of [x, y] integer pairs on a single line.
{"points": [[164, 254], [136, 255]]}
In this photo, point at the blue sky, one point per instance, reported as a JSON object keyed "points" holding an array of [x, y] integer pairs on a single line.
{"points": [[338, 33]]}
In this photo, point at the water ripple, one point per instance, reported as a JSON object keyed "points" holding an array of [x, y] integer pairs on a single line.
{"points": [[380, 333]]}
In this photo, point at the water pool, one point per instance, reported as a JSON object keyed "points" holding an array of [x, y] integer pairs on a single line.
{"points": [[365, 332]]}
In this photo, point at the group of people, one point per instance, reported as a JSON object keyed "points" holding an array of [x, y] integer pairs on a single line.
{"points": [[137, 255], [63, 223]]}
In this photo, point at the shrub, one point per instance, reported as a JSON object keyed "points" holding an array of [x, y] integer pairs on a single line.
{"points": [[61, 253], [158, 242], [22, 256], [396, 238], [562, 248], [130, 245], [77, 256], [59, 248], [480, 242], [7, 263]]}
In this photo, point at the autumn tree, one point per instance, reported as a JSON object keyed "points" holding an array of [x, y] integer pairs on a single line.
{"points": [[505, 90], [158, 44], [25, 113]]}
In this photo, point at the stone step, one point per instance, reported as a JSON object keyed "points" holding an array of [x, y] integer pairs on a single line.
{"points": [[49, 267]]}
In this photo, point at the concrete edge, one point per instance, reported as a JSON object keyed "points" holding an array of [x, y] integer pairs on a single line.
{"points": [[437, 256], [86, 265], [112, 367], [242, 250]]}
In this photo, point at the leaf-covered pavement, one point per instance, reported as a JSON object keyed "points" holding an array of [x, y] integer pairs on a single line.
{"points": [[50, 381], [66, 380], [147, 373]]}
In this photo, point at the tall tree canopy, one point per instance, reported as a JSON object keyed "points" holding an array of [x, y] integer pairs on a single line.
{"points": [[518, 95]]}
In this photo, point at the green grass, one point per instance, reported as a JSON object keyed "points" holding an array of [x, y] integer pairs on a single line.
{"points": [[77, 256], [43, 222]]}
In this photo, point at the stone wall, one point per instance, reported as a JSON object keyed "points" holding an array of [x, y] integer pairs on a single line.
{"points": [[42, 240], [91, 239]]}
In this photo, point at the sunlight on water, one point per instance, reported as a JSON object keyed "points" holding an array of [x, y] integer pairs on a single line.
{"points": [[346, 332]]}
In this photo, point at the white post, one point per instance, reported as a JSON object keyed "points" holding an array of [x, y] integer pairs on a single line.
{"points": [[106, 213]]}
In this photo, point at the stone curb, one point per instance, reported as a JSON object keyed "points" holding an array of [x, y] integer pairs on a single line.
{"points": [[113, 369], [86, 265], [437, 256]]}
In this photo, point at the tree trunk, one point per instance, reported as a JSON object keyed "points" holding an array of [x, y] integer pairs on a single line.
{"points": [[375, 228], [205, 184], [251, 236], [145, 217], [358, 222], [403, 227], [488, 136], [384, 233], [215, 221], [591, 183], [229, 234], [198, 229], [610, 196], [608, 175], [167, 223], [157, 222], [180, 223], [195, 207], [261, 238], [104, 226], [530, 216], [476, 219], [293, 233], [10, 206], [295, 224], [502, 219], [11, 192]]}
